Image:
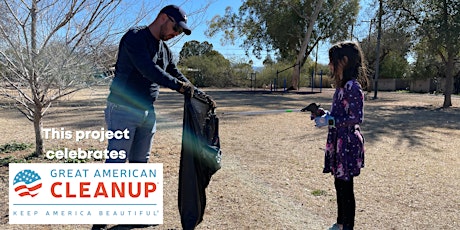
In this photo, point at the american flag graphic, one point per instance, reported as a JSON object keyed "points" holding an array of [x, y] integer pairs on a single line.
{"points": [[27, 183]]}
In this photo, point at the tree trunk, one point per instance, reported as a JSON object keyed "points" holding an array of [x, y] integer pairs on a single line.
{"points": [[295, 78], [449, 82], [301, 56], [451, 53], [38, 132], [35, 91], [377, 50]]}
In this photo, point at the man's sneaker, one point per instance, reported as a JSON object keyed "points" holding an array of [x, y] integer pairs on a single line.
{"points": [[99, 227]]}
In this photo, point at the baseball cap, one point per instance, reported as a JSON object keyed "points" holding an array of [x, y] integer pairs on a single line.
{"points": [[179, 16]]}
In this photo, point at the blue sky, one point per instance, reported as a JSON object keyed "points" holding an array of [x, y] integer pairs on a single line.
{"points": [[217, 7]]}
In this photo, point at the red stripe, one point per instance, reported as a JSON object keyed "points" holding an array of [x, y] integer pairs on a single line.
{"points": [[27, 194], [35, 187], [19, 188], [24, 194], [30, 189]]}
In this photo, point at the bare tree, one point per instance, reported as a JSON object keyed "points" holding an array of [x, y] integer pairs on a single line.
{"points": [[52, 48]]}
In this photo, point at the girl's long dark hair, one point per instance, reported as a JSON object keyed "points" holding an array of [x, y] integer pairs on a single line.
{"points": [[355, 67]]}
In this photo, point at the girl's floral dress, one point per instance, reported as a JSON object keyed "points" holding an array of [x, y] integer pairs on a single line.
{"points": [[344, 155]]}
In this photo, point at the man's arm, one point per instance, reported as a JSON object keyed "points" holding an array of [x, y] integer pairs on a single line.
{"points": [[136, 49], [175, 72]]}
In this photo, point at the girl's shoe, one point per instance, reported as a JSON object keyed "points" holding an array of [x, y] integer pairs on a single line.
{"points": [[99, 227], [335, 227]]}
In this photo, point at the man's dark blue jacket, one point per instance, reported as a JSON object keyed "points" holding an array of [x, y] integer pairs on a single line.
{"points": [[144, 63]]}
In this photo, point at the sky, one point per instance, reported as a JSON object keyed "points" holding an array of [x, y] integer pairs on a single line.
{"points": [[217, 7]]}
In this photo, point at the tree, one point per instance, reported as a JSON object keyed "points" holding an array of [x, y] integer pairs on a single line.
{"points": [[302, 55], [437, 24], [268, 60], [281, 26], [395, 42], [44, 48], [50, 49], [243, 75], [427, 64], [394, 65], [206, 67], [194, 48], [211, 69], [394, 50]]}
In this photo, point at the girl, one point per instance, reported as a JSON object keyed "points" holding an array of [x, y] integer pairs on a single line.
{"points": [[344, 155]]}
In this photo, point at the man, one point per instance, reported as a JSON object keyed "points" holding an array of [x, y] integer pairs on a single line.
{"points": [[144, 63]]}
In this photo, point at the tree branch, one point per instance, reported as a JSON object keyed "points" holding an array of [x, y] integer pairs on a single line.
{"points": [[69, 15]]}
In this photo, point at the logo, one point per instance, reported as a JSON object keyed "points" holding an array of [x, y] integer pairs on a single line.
{"points": [[27, 183], [94, 193]]}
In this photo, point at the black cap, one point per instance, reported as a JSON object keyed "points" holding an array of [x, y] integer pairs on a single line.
{"points": [[179, 16]]}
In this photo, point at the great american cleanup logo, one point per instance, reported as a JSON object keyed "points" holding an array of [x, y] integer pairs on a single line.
{"points": [[85, 193], [27, 183]]}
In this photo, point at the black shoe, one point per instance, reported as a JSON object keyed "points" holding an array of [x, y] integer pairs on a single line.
{"points": [[143, 225], [131, 226], [99, 227]]}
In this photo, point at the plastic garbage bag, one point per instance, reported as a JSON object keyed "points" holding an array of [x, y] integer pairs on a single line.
{"points": [[200, 157]]}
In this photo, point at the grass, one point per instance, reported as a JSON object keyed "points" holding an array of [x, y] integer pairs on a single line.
{"points": [[10, 148], [318, 192], [410, 145], [13, 147]]}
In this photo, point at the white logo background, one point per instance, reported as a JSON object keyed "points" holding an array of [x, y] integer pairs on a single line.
{"points": [[90, 194]]}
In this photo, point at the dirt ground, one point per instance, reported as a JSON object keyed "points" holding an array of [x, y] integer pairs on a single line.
{"points": [[272, 160]]}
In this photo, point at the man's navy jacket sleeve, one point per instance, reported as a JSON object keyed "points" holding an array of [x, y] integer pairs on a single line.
{"points": [[136, 48]]}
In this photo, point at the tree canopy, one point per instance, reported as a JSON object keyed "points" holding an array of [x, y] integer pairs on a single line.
{"points": [[280, 25], [206, 67], [289, 28], [436, 26], [395, 49], [194, 48]]}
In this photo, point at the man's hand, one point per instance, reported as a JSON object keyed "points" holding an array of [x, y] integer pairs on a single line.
{"points": [[211, 101], [186, 88]]}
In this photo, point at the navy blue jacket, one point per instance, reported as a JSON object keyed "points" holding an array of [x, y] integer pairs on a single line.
{"points": [[144, 63]]}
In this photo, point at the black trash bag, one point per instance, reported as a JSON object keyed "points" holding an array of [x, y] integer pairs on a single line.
{"points": [[200, 157]]}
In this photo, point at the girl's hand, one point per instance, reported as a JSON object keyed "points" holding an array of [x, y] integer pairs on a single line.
{"points": [[325, 120]]}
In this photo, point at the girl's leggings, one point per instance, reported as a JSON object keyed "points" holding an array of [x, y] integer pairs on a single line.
{"points": [[345, 203]]}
